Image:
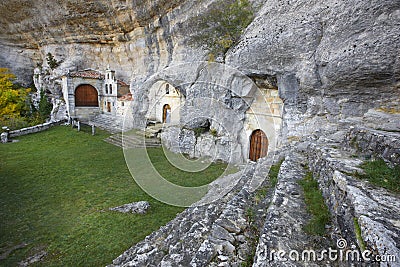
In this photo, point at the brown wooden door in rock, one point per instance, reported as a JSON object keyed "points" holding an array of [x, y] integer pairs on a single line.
{"points": [[166, 114], [86, 96], [258, 145], [108, 106]]}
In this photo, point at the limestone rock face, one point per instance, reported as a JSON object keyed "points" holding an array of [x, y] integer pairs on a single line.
{"points": [[216, 95], [346, 50], [133, 37]]}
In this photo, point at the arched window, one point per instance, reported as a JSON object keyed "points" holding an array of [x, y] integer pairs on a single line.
{"points": [[167, 89], [86, 96], [258, 145], [111, 89], [106, 88]]}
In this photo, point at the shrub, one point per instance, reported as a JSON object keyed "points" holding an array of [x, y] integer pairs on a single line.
{"points": [[14, 102], [45, 107], [214, 132], [51, 61], [222, 26], [199, 131]]}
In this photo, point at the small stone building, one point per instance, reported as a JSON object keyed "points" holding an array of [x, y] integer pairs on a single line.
{"points": [[89, 93], [124, 105], [166, 103]]}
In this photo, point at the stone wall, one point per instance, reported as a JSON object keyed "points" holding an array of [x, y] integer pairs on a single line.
{"points": [[183, 140], [355, 203], [34, 129], [385, 145]]}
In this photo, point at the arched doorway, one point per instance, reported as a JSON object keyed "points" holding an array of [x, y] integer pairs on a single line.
{"points": [[258, 145], [166, 114], [86, 96]]}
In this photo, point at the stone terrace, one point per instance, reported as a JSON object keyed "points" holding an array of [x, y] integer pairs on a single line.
{"points": [[240, 229]]}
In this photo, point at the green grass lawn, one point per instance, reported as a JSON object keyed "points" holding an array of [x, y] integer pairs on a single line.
{"points": [[55, 191]]}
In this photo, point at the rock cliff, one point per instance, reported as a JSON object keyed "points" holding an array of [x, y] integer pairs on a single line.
{"points": [[133, 37], [336, 49], [343, 55]]}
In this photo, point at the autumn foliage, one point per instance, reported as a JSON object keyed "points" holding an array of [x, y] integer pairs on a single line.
{"points": [[13, 98], [16, 110]]}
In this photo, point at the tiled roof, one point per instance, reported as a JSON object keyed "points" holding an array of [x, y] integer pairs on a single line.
{"points": [[91, 74], [122, 83], [127, 97]]}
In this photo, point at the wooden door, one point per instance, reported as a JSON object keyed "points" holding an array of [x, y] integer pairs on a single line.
{"points": [[86, 96], [108, 106], [166, 114], [258, 145]]}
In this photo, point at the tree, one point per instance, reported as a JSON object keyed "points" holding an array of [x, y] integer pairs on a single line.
{"points": [[221, 27], [16, 109], [13, 99], [45, 107]]}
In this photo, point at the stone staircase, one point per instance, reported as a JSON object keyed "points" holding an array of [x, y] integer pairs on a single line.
{"points": [[152, 131], [108, 123], [129, 139], [133, 139]]}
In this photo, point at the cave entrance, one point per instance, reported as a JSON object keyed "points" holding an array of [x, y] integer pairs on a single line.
{"points": [[166, 114], [86, 96], [258, 145]]}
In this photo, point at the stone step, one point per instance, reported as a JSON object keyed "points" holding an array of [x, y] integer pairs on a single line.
{"points": [[108, 123], [132, 140], [149, 133]]}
